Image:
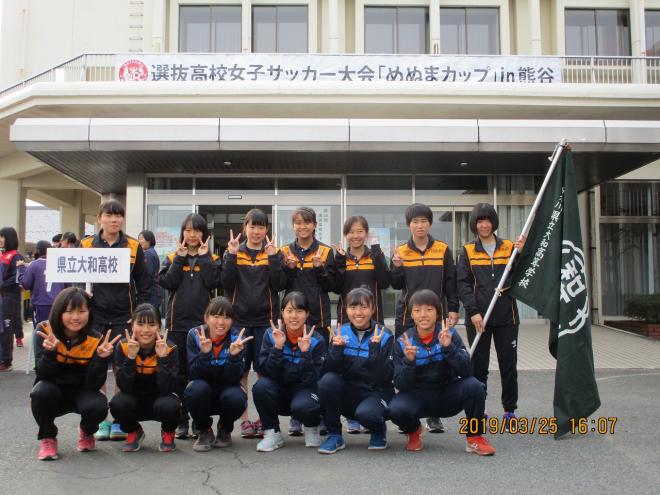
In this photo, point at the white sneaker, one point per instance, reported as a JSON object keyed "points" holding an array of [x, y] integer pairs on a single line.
{"points": [[312, 436], [273, 440]]}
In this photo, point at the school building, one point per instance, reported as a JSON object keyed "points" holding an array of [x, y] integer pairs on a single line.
{"points": [[347, 106]]}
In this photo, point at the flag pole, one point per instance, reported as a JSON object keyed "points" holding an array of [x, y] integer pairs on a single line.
{"points": [[559, 148]]}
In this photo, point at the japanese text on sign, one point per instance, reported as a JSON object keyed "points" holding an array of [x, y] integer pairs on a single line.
{"points": [[96, 265]]}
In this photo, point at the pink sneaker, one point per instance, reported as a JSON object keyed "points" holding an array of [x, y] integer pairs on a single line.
{"points": [[48, 449], [86, 442]]}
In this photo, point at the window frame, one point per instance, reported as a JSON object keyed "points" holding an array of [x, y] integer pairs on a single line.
{"points": [[211, 24], [427, 27], [465, 9], [277, 6], [594, 10]]}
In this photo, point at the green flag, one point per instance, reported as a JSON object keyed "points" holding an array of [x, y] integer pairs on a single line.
{"points": [[550, 276]]}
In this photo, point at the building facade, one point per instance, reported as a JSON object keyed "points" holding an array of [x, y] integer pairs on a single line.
{"points": [[495, 84]]}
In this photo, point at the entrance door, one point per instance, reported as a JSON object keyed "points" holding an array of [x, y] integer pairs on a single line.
{"points": [[451, 224]]}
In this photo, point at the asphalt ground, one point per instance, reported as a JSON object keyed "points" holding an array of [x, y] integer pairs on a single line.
{"points": [[623, 462]]}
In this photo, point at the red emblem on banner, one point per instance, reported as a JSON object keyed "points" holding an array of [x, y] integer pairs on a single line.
{"points": [[133, 70]]}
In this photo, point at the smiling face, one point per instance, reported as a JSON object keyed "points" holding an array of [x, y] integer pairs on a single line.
{"points": [[419, 227], [146, 332], [255, 234], [111, 223], [294, 318], [357, 236], [218, 325], [360, 314], [75, 319], [192, 237], [484, 228], [303, 229], [424, 316]]}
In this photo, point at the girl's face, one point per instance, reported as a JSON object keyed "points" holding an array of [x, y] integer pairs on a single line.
{"points": [[218, 325], [143, 243], [424, 316], [357, 236], [419, 227], [303, 229], [111, 223], [146, 332], [360, 314], [192, 237], [2, 242], [484, 228], [255, 233], [294, 318], [74, 320]]}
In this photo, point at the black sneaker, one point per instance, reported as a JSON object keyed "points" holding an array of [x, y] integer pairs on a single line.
{"points": [[182, 430], [434, 425], [204, 442]]}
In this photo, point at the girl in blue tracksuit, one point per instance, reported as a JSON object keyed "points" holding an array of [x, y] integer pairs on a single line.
{"points": [[290, 365], [216, 361], [358, 378], [433, 374]]}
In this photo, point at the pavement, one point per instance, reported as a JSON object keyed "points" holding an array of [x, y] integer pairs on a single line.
{"points": [[626, 461]]}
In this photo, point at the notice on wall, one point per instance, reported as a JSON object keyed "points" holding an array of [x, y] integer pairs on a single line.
{"points": [[309, 68], [88, 265]]}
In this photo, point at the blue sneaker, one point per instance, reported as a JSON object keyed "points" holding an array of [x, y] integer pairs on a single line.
{"points": [[352, 427], [103, 433], [508, 416], [116, 433], [378, 440], [332, 444]]}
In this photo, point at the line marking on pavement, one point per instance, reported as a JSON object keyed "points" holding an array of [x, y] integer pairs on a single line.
{"points": [[603, 378]]}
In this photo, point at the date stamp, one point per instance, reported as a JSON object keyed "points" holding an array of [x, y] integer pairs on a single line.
{"points": [[535, 426]]}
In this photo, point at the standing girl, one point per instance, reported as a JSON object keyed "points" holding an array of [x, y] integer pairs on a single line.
{"points": [[290, 364], [190, 274], [71, 370], [147, 240], [253, 275], [11, 297], [147, 375]]}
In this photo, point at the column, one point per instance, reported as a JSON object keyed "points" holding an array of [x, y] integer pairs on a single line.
{"points": [[134, 223], [333, 26], [434, 26], [12, 213], [72, 218], [246, 26], [535, 46]]}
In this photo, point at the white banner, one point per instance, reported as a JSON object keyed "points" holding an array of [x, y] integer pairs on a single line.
{"points": [[96, 265], [222, 67]]}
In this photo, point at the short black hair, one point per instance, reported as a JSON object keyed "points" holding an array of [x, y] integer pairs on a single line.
{"points": [[427, 297], [149, 237], [483, 211], [41, 248], [71, 297], [146, 313], [112, 207], [350, 221], [197, 222], [69, 237], [360, 295], [220, 306], [297, 300], [418, 210], [56, 238], [11, 238], [256, 217], [306, 213]]}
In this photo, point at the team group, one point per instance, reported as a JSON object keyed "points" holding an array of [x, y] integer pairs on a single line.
{"points": [[307, 368]]}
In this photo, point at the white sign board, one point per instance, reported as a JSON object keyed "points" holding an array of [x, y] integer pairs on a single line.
{"points": [[88, 265], [308, 68]]}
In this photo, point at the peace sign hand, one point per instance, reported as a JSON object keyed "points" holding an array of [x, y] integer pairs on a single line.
{"points": [[106, 346], [410, 351], [317, 262], [234, 242], [444, 337], [132, 344], [204, 248], [340, 249], [162, 350], [305, 342], [291, 261], [50, 341], [278, 335], [337, 339], [396, 260], [181, 248], [237, 345], [205, 343], [271, 248], [377, 337]]}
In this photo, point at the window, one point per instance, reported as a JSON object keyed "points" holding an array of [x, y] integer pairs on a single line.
{"points": [[597, 32], [470, 31], [396, 30], [279, 29], [652, 33], [207, 28]]}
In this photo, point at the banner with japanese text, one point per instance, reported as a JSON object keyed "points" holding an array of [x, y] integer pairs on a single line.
{"points": [[95, 265], [223, 67]]}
